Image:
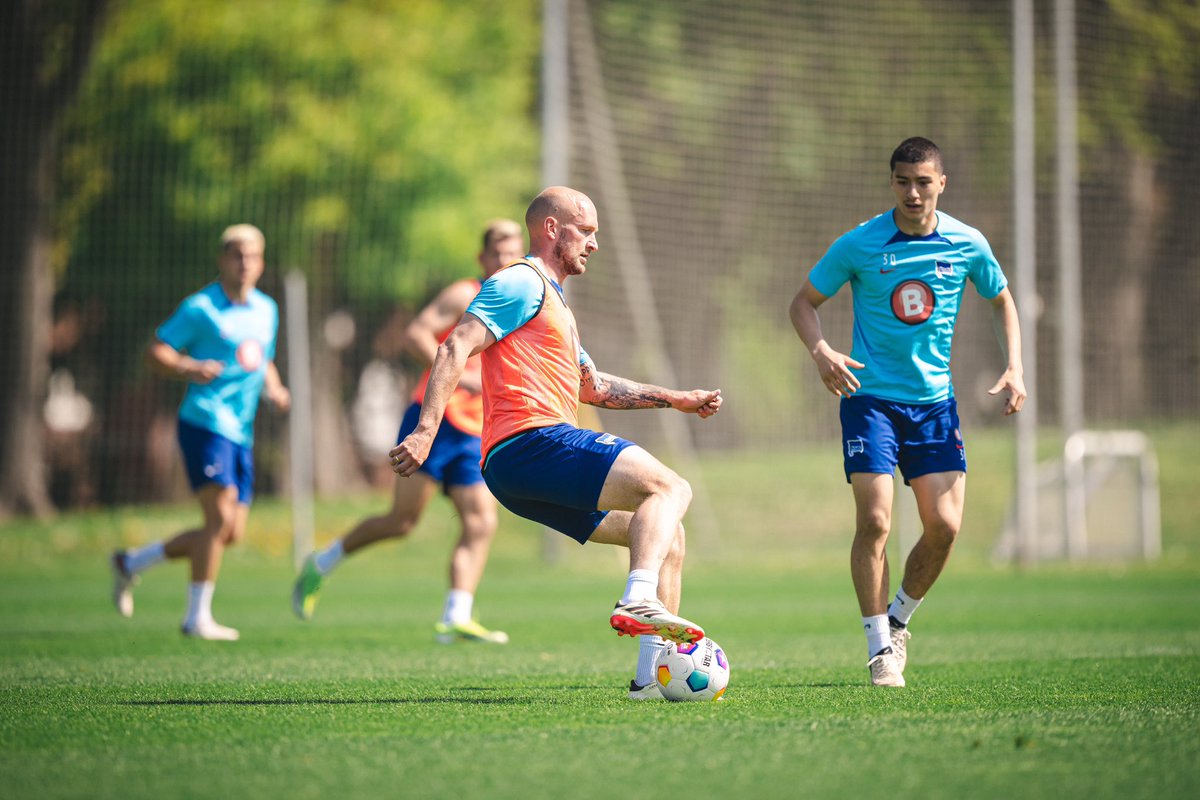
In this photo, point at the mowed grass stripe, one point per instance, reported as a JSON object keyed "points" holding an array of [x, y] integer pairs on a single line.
{"points": [[1054, 683]]}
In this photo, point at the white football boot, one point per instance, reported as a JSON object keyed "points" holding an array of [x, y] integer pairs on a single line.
{"points": [[211, 630], [639, 617], [884, 671], [648, 692], [123, 583], [651, 691], [900, 637]]}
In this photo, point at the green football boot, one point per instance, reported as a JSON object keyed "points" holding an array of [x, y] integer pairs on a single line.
{"points": [[472, 631], [307, 589]]}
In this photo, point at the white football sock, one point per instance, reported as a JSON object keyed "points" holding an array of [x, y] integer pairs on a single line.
{"points": [[144, 557], [458, 607], [200, 594], [903, 606], [329, 558], [649, 647], [878, 634], [642, 585]]}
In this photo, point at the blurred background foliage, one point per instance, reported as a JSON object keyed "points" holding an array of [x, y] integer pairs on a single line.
{"points": [[372, 139], [369, 140]]}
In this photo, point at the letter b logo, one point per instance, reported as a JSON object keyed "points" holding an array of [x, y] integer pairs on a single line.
{"points": [[913, 302]]}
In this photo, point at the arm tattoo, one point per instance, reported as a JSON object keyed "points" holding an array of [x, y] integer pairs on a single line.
{"points": [[609, 391]]}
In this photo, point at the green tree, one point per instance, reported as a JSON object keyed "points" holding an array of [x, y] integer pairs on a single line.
{"points": [[1140, 118], [45, 47], [368, 139]]}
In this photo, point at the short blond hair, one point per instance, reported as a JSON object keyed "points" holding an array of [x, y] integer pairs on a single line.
{"points": [[500, 229], [242, 232]]}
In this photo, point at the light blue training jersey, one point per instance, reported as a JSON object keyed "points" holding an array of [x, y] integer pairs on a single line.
{"points": [[509, 299], [208, 325], [907, 291]]}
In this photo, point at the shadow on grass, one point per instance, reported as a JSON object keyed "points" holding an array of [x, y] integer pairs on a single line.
{"points": [[331, 701], [326, 701], [826, 685]]}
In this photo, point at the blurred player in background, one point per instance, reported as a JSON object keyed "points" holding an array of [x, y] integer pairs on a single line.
{"points": [[221, 341], [453, 462], [907, 269], [538, 463]]}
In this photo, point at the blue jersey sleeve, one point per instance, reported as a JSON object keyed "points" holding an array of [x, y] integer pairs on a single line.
{"points": [[835, 267], [984, 270], [508, 300], [180, 329]]}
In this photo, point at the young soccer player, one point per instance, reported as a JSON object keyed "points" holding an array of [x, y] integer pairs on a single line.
{"points": [[221, 341], [907, 269]]}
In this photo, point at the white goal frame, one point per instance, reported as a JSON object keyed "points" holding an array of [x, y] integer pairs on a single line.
{"points": [[1064, 489], [1081, 446]]}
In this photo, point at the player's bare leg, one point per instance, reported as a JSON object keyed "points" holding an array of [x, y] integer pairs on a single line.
{"points": [[869, 570], [868, 554], [410, 496], [657, 499], [940, 499], [409, 499], [615, 530], [224, 525], [653, 647], [477, 510], [670, 575], [224, 522], [640, 483]]}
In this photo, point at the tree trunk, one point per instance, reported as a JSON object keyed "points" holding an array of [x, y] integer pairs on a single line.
{"points": [[44, 51], [25, 286]]}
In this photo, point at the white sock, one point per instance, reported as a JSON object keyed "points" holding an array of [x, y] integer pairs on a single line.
{"points": [[200, 594], [144, 557], [649, 646], [878, 634], [642, 585], [458, 607], [903, 606], [329, 558]]}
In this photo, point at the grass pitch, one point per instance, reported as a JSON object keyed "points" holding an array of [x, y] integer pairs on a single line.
{"points": [[1055, 683]]}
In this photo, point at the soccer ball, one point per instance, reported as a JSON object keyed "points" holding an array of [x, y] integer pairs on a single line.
{"points": [[696, 671]]}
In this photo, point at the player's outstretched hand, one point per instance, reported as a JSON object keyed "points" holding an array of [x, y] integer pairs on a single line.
{"points": [[702, 402], [1015, 385], [408, 456]]}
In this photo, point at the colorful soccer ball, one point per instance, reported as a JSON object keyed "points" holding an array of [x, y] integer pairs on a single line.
{"points": [[697, 671]]}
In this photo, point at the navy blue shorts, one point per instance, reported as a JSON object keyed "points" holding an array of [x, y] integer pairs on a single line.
{"points": [[454, 456], [554, 476], [211, 458], [922, 438]]}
